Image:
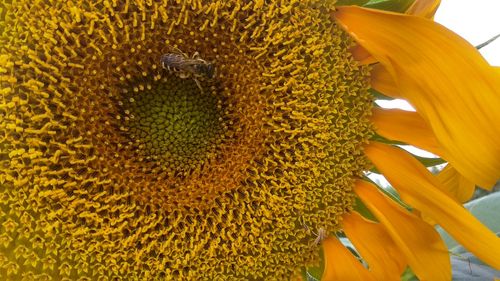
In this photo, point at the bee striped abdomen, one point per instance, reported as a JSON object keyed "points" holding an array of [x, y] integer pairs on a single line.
{"points": [[172, 62]]}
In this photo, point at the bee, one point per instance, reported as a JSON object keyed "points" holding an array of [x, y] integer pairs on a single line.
{"points": [[184, 66]]}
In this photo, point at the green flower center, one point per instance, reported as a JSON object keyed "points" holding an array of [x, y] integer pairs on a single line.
{"points": [[174, 123]]}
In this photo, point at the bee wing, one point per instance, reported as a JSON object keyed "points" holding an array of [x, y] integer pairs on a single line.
{"points": [[192, 62], [171, 60]]}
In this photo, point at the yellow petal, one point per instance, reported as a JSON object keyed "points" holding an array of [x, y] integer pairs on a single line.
{"points": [[382, 81], [418, 187], [405, 126], [362, 56], [454, 183], [375, 245], [421, 8], [424, 8], [340, 264], [445, 78], [425, 252]]}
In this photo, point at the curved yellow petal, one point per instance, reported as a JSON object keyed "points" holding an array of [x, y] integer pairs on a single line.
{"points": [[422, 246], [362, 55], [424, 8], [375, 245], [405, 126], [340, 264], [454, 183], [420, 8], [382, 81], [418, 187], [445, 78]]}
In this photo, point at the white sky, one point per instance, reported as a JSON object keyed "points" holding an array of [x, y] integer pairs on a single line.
{"points": [[476, 21]]}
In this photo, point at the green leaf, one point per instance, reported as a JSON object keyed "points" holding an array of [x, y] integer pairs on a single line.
{"points": [[464, 264], [391, 192], [351, 2], [312, 274], [429, 162], [408, 275], [361, 208], [378, 95], [486, 209], [378, 138], [386, 5], [426, 161], [467, 267], [390, 5]]}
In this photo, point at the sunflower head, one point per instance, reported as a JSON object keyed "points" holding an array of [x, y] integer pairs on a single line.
{"points": [[213, 140], [115, 166]]}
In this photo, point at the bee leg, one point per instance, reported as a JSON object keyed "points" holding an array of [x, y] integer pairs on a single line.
{"points": [[183, 75], [197, 57], [178, 51], [198, 84]]}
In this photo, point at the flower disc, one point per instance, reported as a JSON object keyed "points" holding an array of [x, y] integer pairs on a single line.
{"points": [[115, 167]]}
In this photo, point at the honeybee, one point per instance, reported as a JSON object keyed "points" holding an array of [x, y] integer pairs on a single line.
{"points": [[184, 66]]}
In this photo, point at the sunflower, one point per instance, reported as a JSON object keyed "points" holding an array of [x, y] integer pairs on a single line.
{"points": [[116, 167]]}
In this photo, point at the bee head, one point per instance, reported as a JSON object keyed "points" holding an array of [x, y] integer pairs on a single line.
{"points": [[210, 70], [207, 69]]}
